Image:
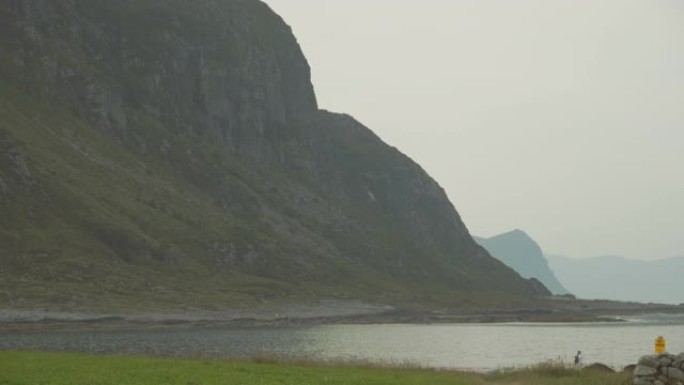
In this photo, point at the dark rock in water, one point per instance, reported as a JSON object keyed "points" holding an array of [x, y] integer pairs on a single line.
{"points": [[629, 368], [598, 367]]}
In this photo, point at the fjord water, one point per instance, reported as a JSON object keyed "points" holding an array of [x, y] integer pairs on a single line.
{"points": [[479, 347]]}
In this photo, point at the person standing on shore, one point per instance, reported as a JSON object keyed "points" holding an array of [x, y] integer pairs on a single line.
{"points": [[578, 358]]}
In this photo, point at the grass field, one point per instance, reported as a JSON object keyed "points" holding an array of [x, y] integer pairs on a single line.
{"points": [[29, 368]]}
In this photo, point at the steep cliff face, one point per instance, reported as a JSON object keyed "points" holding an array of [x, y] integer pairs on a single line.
{"points": [[175, 149], [409, 226], [227, 70]]}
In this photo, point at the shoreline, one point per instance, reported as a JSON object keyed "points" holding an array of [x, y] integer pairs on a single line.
{"points": [[324, 313]]}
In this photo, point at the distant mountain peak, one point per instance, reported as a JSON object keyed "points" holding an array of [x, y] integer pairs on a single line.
{"points": [[520, 252], [517, 233]]}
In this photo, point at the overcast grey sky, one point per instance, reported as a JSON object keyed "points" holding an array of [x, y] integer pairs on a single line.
{"points": [[564, 118]]}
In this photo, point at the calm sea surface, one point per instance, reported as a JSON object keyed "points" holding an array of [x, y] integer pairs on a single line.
{"points": [[463, 346]]}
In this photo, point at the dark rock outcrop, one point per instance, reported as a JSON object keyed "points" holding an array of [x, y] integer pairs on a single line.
{"points": [[660, 369], [598, 367]]}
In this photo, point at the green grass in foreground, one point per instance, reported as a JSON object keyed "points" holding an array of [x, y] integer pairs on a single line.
{"points": [[555, 373], [18, 368]]}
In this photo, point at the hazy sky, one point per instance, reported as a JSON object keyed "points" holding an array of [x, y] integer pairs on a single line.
{"points": [[564, 118]]}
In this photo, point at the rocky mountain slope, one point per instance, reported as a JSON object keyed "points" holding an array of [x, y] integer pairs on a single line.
{"points": [[520, 252], [622, 279], [170, 154]]}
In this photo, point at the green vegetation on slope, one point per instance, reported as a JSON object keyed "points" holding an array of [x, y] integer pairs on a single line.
{"points": [[19, 368], [95, 225], [170, 154]]}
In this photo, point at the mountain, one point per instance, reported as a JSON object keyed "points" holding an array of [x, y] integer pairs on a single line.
{"points": [[171, 154], [520, 252], [622, 279]]}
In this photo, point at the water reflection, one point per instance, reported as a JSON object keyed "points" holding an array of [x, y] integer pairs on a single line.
{"points": [[463, 346]]}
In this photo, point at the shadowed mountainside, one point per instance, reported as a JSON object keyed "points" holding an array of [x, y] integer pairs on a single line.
{"points": [[170, 154]]}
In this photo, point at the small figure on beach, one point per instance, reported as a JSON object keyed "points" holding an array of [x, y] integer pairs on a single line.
{"points": [[578, 358]]}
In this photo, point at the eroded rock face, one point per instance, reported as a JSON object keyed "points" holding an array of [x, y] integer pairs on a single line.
{"points": [[15, 174], [3, 187], [230, 70]]}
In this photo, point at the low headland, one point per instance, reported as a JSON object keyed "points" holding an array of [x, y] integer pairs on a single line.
{"points": [[328, 312]]}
